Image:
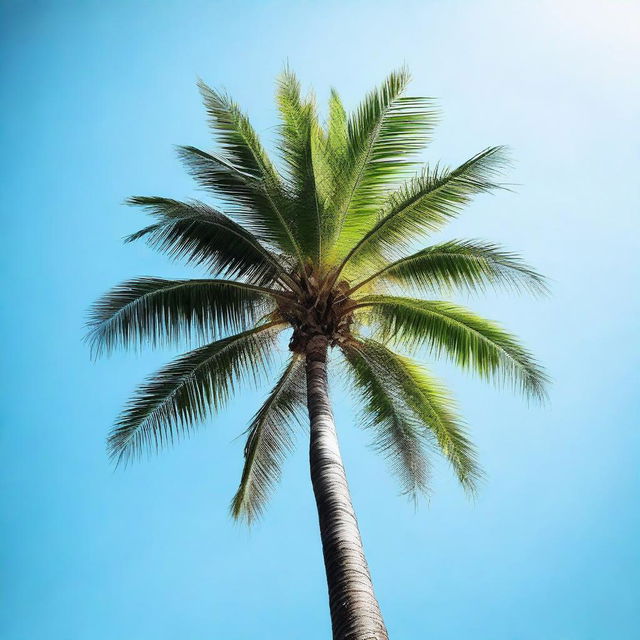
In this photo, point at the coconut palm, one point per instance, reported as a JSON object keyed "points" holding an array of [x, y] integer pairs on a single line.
{"points": [[319, 247]]}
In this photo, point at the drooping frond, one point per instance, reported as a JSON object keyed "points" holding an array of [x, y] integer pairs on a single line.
{"points": [[269, 440], [163, 311], [433, 403], [383, 134], [467, 264], [469, 340], [398, 432], [203, 236], [424, 204], [301, 145], [243, 150], [188, 390], [430, 403]]}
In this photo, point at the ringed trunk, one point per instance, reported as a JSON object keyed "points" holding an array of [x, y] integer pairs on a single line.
{"points": [[355, 612]]}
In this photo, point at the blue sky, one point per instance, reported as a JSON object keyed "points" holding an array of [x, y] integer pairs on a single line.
{"points": [[94, 95]]}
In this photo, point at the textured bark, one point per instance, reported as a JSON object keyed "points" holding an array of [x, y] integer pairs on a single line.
{"points": [[355, 613]]}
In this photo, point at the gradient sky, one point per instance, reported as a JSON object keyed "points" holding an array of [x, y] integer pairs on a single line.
{"points": [[94, 95]]}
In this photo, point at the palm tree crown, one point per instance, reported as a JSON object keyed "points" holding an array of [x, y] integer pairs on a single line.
{"points": [[319, 246]]}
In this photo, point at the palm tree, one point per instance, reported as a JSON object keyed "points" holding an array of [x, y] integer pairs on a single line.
{"points": [[319, 248]]}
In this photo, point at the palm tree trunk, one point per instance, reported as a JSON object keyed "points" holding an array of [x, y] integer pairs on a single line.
{"points": [[355, 613]]}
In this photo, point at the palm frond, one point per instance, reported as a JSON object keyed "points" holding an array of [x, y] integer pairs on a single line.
{"points": [[245, 195], [188, 390], [203, 236], [163, 311], [399, 436], [471, 341], [467, 264], [243, 150], [234, 133], [384, 133], [424, 204], [434, 404], [331, 164], [300, 137], [430, 403], [269, 440]]}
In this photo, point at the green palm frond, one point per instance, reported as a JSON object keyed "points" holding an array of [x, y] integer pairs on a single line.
{"points": [[246, 196], [269, 440], [243, 150], [236, 136], [202, 236], [467, 264], [301, 145], [430, 403], [472, 342], [189, 389], [423, 204], [383, 134], [163, 311], [399, 434], [430, 399], [331, 163]]}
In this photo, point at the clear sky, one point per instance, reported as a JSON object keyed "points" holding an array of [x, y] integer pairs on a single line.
{"points": [[94, 95]]}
